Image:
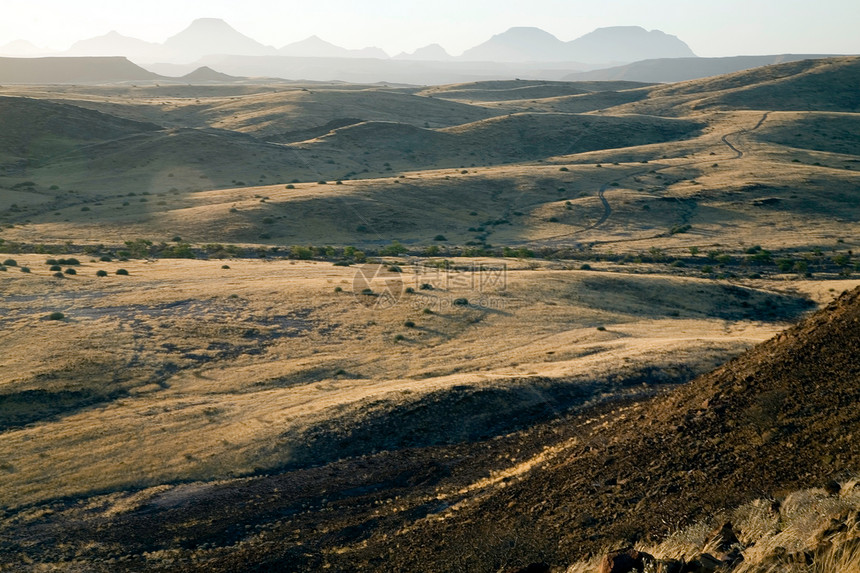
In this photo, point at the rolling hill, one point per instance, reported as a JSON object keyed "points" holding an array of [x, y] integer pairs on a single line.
{"points": [[101, 70], [666, 70]]}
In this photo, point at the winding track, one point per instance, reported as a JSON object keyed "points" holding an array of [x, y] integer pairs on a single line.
{"points": [[607, 208]]}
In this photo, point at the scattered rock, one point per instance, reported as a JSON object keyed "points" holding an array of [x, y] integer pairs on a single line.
{"points": [[704, 563], [625, 561], [833, 487], [669, 566]]}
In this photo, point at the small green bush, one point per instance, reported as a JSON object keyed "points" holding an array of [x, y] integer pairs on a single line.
{"points": [[55, 268], [225, 267], [367, 291], [427, 311], [25, 269], [59, 275], [2, 268], [51, 262], [439, 238], [101, 273], [409, 324], [601, 328], [399, 338], [56, 316], [461, 302], [338, 289], [410, 290], [585, 267], [70, 271], [122, 272], [10, 263]]}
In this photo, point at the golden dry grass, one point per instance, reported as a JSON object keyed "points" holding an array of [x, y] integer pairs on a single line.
{"points": [[185, 370]]}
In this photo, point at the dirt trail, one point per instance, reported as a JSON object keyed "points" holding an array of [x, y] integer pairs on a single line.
{"points": [[607, 208]]}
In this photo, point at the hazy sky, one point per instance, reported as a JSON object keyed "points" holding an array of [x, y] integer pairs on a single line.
{"points": [[718, 28]]}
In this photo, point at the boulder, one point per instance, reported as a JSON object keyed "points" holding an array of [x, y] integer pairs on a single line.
{"points": [[625, 561]]}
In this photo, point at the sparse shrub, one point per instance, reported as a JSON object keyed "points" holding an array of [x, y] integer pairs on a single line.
{"points": [[427, 311], [59, 275], [785, 265], [338, 289], [367, 292], [51, 262], [25, 269], [601, 328], [85, 209], [393, 250], [101, 273], [409, 324], [426, 286], [585, 267], [439, 238], [122, 272], [70, 271], [69, 262], [2, 268], [342, 264], [399, 338], [410, 290], [394, 269], [302, 253], [105, 259], [564, 169], [291, 186], [225, 267], [56, 316], [10, 263], [707, 269], [55, 268], [461, 302]]}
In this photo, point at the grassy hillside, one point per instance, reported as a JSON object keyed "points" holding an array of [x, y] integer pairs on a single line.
{"points": [[455, 328]]}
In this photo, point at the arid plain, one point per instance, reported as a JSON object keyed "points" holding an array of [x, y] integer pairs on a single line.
{"points": [[328, 292]]}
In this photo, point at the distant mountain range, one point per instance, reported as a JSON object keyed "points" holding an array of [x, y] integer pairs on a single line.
{"points": [[615, 53], [604, 45], [212, 36]]}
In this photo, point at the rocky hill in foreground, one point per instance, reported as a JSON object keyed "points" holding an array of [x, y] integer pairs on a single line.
{"points": [[781, 417]]}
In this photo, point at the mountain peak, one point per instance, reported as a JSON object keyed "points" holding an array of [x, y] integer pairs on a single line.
{"points": [[519, 44], [207, 36], [628, 44]]}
